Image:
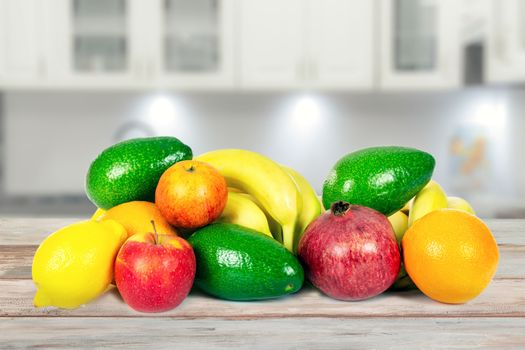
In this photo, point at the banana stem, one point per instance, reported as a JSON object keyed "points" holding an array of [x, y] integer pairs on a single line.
{"points": [[288, 236]]}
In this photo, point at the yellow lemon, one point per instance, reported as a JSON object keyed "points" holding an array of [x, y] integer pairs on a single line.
{"points": [[75, 264], [98, 213]]}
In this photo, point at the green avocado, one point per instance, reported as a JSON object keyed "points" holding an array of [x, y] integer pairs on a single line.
{"points": [[382, 178], [237, 263], [130, 170], [403, 281]]}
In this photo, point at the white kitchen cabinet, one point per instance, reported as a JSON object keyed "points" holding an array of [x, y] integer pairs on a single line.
{"points": [[473, 21], [505, 45], [192, 43], [419, 44], [96, 43], [341, 44], [144, 44], [21, 50], [272, 43], [307, 44]]}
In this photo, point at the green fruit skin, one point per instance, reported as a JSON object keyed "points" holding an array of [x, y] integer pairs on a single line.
{"points": [[130, 170], [403, 281], [237, 263], [382, 178]]}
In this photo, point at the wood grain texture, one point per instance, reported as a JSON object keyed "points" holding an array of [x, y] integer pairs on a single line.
{"points": [[290, 333], [15, 261], [31, 231], [504, 297], [308, 319]]}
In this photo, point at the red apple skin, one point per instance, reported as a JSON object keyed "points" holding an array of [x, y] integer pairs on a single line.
{"points": [[351, 256], [154, 277]]}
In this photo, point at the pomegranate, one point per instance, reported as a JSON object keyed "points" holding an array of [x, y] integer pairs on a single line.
{"points": [[350, 252]]}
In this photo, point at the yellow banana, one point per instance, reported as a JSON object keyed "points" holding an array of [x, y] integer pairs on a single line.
{"points": [[262, 178], [97, 214], [460, 204], [275, 229], [233, 189], [406, 207], [431, 197], [311, 207], [242, 211], [399, 221]]}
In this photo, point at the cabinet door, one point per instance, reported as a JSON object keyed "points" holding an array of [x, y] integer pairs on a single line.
{"points": [[341, 41], [192, 43], [95, 42], [272, 43], [420, 44], [21, 51], [505, 51]]}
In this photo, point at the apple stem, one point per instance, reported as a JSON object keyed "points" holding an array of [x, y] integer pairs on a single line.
{"points": [[155, 230], [339, 208]]}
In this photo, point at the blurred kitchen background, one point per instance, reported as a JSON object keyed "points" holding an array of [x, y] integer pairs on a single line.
{"points": [[301, 81]]}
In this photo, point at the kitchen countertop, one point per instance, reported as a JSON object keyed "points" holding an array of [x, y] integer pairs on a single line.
{"points": [[393, 320]]}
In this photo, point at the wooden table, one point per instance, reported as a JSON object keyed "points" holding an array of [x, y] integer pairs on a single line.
{"points": [[307, 320]]}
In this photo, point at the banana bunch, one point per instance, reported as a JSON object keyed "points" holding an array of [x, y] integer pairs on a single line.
{"points": [[281, 194], [242, 210], [311, 206], [431, 197]]}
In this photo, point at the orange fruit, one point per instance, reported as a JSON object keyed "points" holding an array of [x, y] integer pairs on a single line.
{"points": [[136, 217], [191, 194], [450, 255]]}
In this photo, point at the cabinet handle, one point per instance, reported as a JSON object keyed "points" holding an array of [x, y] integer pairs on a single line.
{"points": [[306, 70], [299, 70], [502, 46], [314, 72], [137, 69], [41, 67], [151, 69]]}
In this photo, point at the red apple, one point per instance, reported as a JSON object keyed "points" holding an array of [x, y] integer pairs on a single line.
{"points": [[191, 194], [350, 252], [154, 273]]}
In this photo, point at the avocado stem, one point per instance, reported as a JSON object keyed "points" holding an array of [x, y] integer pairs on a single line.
{"points": [[339, 208], [155, 230]]}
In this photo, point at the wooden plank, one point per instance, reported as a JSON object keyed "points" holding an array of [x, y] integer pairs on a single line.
{"points": [[31, 231], [15, 262], [511, 262], [502, 298], [402, 320], [508, 231], [290, 333]]}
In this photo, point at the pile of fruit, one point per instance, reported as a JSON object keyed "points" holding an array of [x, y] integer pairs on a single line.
{"points": [[240, 226]]}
